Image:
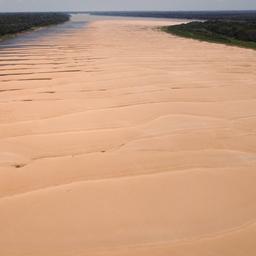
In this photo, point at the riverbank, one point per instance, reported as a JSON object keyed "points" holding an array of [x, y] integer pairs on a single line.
{"points": [[14, 23], [231, 32]]}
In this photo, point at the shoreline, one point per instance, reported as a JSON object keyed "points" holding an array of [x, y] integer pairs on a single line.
{"points": [[184, 31], [47, 20], [31, 30]]}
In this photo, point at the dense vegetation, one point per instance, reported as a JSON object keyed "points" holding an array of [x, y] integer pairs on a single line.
{"points": [[12, 23], [232, 32], [198, 15]]}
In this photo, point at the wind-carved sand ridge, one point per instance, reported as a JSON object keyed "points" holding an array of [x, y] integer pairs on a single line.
{"points": [[118, 139]]}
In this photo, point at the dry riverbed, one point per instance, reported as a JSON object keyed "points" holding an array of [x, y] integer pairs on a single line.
{"points": [[118, 139]]}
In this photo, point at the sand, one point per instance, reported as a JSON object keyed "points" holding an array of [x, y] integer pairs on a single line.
{"points": [[117, 139]]}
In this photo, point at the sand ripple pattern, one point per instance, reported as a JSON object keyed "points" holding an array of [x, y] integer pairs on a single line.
{"points": [[117, 139]]}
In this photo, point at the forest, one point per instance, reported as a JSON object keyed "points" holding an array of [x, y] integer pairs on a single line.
{"points": [[232, 32], [12, 23]]}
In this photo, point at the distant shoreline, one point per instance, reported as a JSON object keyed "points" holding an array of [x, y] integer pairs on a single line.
{"points": [[192, 15]]}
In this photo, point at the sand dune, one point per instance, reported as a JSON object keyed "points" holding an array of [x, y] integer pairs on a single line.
{"points": [[118, 139]]}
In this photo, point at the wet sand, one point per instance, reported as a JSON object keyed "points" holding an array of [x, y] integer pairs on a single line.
{"points": [[118, 139]]}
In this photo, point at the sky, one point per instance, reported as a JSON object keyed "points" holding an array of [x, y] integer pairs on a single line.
{"points": [[124, 5]]}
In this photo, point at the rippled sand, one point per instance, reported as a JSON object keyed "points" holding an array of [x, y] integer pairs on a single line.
{"points": [[118, 139]]}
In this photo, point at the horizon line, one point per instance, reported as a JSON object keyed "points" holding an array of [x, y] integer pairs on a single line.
{"points": [[93, 11]]}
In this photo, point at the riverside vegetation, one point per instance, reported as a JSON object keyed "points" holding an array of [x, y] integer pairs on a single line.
{"points": [[231, 32], [12, 23]]}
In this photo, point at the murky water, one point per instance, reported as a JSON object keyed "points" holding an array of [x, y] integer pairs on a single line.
{"points": [[37, 52]]}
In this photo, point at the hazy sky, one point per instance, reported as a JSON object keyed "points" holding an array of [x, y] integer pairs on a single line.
{"points": [[88, 5]]}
